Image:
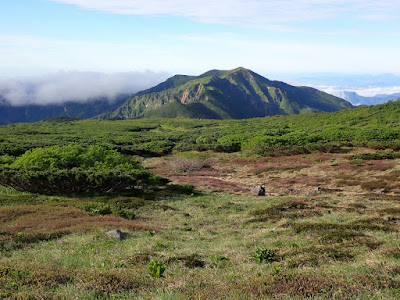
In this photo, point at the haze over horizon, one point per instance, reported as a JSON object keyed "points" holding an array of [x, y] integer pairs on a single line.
{"points": [[136, 44]]}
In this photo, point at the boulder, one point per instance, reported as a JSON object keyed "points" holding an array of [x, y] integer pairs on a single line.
{"points": [[115, 234], [258, 190]]}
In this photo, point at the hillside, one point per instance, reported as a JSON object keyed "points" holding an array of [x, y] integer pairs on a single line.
{"points": [[235, 94], [356, 99], [33, 113], [327, 227], [361, 126]]}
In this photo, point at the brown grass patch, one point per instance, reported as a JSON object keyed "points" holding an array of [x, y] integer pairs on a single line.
{"points": [[303, 180], [293, 209], [392, 252], [51, 218], [390, 211], [370, 165], [184, 164], [38, 279], [214, 184], [282, 163], [307, 286]]}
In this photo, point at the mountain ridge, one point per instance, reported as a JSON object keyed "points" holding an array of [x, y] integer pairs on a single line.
{"points": [[356, 99], [35, 112], [216, 94]]}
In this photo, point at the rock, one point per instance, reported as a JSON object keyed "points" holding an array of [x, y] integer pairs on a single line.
{"points": [[115, 234], [258, 190], [380, 191]]}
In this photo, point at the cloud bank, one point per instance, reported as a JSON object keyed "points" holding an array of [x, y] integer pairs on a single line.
{"points": [[75, 86], [365, 92], [257, 13]]}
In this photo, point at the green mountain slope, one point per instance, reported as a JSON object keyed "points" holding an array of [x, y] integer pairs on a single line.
{"points": [[235, 94], [33, 113]]}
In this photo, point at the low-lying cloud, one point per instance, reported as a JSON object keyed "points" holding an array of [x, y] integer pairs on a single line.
{"points": [[75, 86], [365, 92]]}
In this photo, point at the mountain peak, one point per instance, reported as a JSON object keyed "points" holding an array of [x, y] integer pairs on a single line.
{"points": [[238, 93], [221, 73], [240, 69]]}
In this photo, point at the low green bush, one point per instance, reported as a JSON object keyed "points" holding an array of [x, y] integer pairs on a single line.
{"points": [[107, 209], [379, 155], [76, 170]]}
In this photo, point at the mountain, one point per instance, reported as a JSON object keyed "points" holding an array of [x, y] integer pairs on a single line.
{"points": [[235, 94], [33, 113], [356, 99]]}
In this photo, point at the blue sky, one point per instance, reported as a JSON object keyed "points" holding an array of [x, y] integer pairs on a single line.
{"points": [[177, 36], [53, 51]]}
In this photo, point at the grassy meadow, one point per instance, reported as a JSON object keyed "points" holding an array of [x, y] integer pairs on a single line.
{"points": [[327, 228]]}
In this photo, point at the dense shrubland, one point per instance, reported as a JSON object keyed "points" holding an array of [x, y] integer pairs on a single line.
{"points": [[376, 127], [74, 169]]}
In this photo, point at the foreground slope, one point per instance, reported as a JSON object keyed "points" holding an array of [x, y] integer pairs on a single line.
{"points": [[235, 94]]}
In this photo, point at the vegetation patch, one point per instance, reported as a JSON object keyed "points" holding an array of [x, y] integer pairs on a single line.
{"points": [[42, 220], [379, 155], [305, 286], [189, 261], [292, 209], [182, 164], [76, 170], [370, 225]]}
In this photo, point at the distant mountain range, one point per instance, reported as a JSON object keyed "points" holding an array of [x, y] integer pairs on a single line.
{"points": [[34, 113], [235, 94], [356, 99]]}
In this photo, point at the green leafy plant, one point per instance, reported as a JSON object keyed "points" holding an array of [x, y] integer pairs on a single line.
{"points": [[264, 254], [276, 269], [156, 268], [150, 233]]}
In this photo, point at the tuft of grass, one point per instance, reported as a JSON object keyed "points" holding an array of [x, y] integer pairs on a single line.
{"points": [[264, 255], [156, 268]]}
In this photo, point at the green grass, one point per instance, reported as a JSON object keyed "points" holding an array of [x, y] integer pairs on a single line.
{"points": [[335, 254], [331, 244]]}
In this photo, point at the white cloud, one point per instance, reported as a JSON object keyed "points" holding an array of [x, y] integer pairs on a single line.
{"points": [[75, 86], [21, 55], [248, 13]]}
